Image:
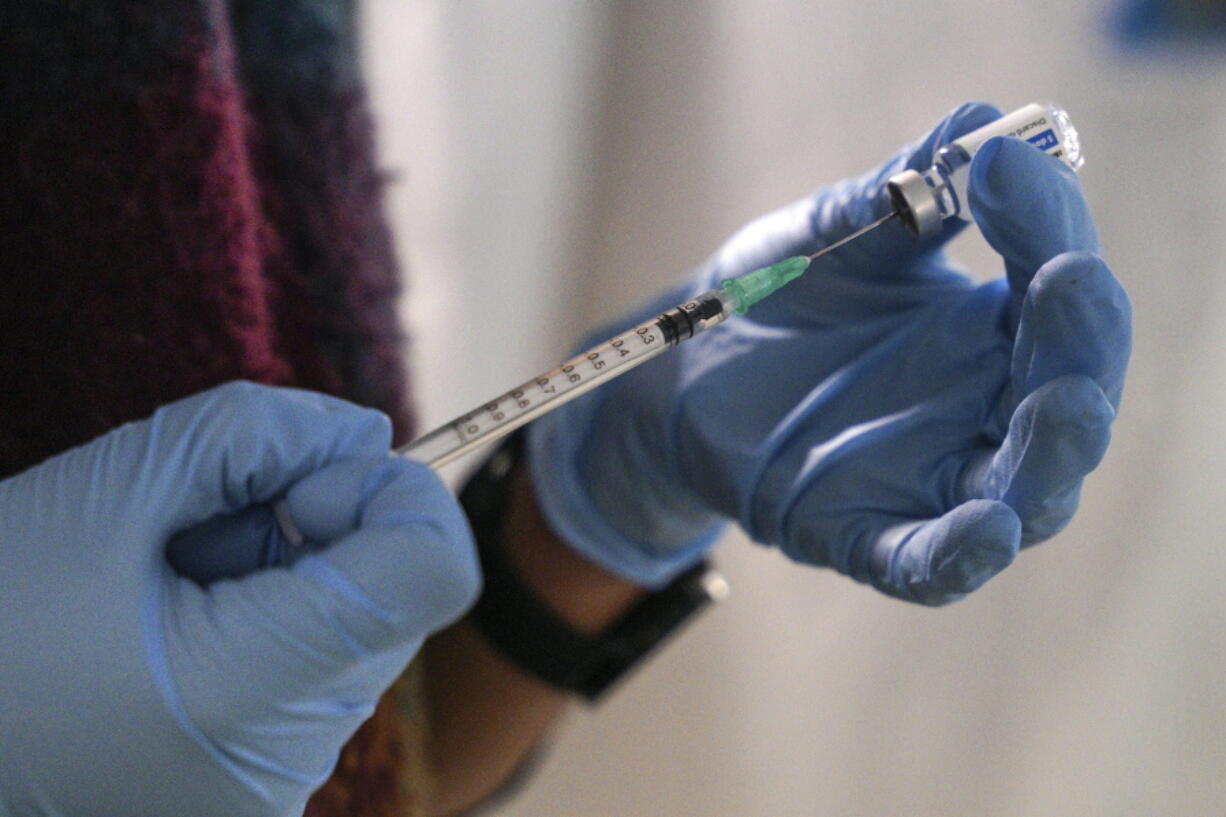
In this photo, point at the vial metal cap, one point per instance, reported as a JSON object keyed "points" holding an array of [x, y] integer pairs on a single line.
{"points": [[916, 203]]}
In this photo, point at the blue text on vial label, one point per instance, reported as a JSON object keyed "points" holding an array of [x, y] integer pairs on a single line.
{"points": [[1045, 140]]}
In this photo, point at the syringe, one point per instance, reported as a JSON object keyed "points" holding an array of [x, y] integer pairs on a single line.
{"points": [[619, 354], [921, 201], [601, 363]]}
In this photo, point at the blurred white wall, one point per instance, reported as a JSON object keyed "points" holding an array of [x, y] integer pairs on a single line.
{"points": [[562, 159]]}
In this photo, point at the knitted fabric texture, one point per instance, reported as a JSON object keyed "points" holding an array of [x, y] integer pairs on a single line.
{"points": [[189, 196]]}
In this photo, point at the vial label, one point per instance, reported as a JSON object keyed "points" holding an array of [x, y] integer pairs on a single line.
{"points": [[1034, 123]]}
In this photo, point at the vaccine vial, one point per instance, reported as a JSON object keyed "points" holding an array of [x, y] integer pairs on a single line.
{"points": [[923, 200]]}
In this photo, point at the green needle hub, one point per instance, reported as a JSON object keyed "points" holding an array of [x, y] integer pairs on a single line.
{"points": [[746, 290]]}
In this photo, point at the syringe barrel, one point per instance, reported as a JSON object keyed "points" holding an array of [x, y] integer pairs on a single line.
{"points": [[923, 200], [619, 354]]}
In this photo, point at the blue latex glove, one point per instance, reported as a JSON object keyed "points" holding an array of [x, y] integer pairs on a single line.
{"points": [[882, 415], [131, 690]]}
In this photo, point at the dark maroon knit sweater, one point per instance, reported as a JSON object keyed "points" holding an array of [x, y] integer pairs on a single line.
{"points": [[188, 196]]}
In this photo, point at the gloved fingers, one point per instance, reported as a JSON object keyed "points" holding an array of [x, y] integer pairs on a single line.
{"points": [[236, 445], [1075, 319], [940, 560], [276, 666], [424, 581], [1057, 436], [1030, 208], [407, 570]]}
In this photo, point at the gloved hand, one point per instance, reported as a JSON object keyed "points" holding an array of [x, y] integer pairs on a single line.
{"points": [[131, 690], [882, 415]]}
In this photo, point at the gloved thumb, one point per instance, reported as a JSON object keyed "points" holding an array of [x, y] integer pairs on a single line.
{"points": [[227, 448], [940, 560], [1029, 207], [395, 531]]}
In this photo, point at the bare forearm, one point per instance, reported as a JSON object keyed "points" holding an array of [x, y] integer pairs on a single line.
{"points": [[486, 715]]}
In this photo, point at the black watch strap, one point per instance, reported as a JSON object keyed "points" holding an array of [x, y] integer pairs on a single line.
{"points": [[530, 634]]}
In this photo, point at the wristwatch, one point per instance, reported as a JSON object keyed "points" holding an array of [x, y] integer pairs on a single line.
{"points": [[530, 634]]}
